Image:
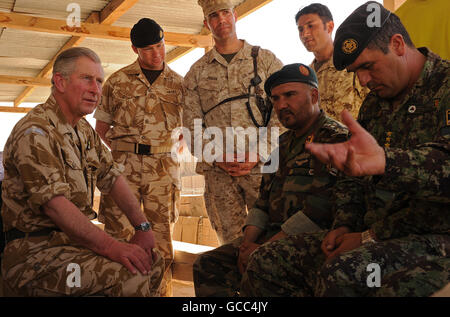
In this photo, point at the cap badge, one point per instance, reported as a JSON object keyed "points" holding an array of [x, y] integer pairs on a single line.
{"points": [[303, 70], [349, 46]]}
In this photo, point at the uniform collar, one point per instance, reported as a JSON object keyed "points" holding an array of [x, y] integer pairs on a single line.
{"points": [[135, 69], [326, 65], [244, 53], [57, 117]]}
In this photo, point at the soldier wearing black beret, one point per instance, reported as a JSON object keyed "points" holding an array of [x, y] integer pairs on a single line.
{"points": [[391, 229], [146, 32], [141, 107], [295, 197]]}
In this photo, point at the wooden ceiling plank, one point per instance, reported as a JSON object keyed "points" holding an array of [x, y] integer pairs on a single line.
{"points": [[242, 10], [100, 31], [24, 81], [14, 109], [114, 10], [94, 17]]}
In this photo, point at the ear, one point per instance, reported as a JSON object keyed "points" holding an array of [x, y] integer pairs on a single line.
{"points": [[330, 27], [205, 23], [235, 14], [134, 49], [397, 44], [59, 82]]}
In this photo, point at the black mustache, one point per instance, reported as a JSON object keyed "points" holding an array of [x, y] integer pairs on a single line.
{"points": [[284, 112]]}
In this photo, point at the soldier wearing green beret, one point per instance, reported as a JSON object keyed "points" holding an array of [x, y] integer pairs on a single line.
{"points": [[390, 234], [141, 107], [294, 199]]}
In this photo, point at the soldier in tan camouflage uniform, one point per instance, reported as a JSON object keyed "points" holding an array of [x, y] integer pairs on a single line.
{"points": [[216, 89], [141, 106], [294, 199], [53, 161], [339, 90]]}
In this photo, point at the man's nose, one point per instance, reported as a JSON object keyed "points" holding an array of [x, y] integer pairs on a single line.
{"points": [[363, 76]]}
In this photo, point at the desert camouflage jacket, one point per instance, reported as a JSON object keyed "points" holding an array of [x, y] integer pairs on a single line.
{"points": [[413, 195], [338, 90], [211, 80], [140, 112], [45, 157]]}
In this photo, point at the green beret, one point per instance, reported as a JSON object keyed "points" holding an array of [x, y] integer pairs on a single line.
{"points": [[291, 73], [357, 31], [146, 32]]}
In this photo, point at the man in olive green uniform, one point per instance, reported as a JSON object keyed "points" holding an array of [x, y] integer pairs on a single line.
{"points": [[141, 107], [294, 199], [391, 230], [53, 162], [339, 90], [217, 88]]}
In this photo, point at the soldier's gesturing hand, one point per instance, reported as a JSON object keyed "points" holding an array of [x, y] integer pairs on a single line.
{"points": [[132, 256], [359, 156]]}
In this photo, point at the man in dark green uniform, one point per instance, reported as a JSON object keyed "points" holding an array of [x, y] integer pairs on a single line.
{"points": [[392, 222], [292, 200]]}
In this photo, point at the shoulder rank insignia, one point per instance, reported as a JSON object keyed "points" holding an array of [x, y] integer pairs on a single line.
{"points": [[34, 130]]}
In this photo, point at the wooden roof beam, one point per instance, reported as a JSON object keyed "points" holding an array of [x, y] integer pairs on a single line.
{"points": [[108, 14], [94, 30], [25, 81]]}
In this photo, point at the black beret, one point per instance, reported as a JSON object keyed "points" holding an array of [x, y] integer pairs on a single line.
{"points": [[357, 31], [146, 32], [291, 73]]}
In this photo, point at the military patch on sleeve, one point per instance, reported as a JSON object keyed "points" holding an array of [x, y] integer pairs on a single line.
{"points": [[436, 103], [34, 130]]}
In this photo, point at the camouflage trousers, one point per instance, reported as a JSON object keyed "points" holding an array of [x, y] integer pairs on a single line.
{"points": [[216, 272], [155, 180], [53, 266], [227, 200], [295, 266]]}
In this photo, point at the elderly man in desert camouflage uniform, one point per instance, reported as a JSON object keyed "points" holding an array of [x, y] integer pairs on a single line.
{"points": [[217, 88], [339, 90], [391, 230], [294, 199], [53, 161], [141, 107]]}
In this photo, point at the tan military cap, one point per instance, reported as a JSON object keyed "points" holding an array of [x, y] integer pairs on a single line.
{"points": [[210, 6]]}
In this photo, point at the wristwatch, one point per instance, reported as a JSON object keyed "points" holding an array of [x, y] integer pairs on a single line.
{"points": [[145, 226], [366, 237]]}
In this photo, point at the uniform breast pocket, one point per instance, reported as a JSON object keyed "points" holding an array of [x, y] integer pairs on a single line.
{"points": [[309, 180], [73, 171], [126, 107], [91, 171], [172, 111], [210, 95], [422, 120]]}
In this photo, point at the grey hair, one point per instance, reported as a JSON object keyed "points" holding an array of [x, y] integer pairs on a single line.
{"points": [[65, 62]]}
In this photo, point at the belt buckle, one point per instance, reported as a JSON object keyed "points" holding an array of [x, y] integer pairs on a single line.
{"points": [[143, 149]]}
